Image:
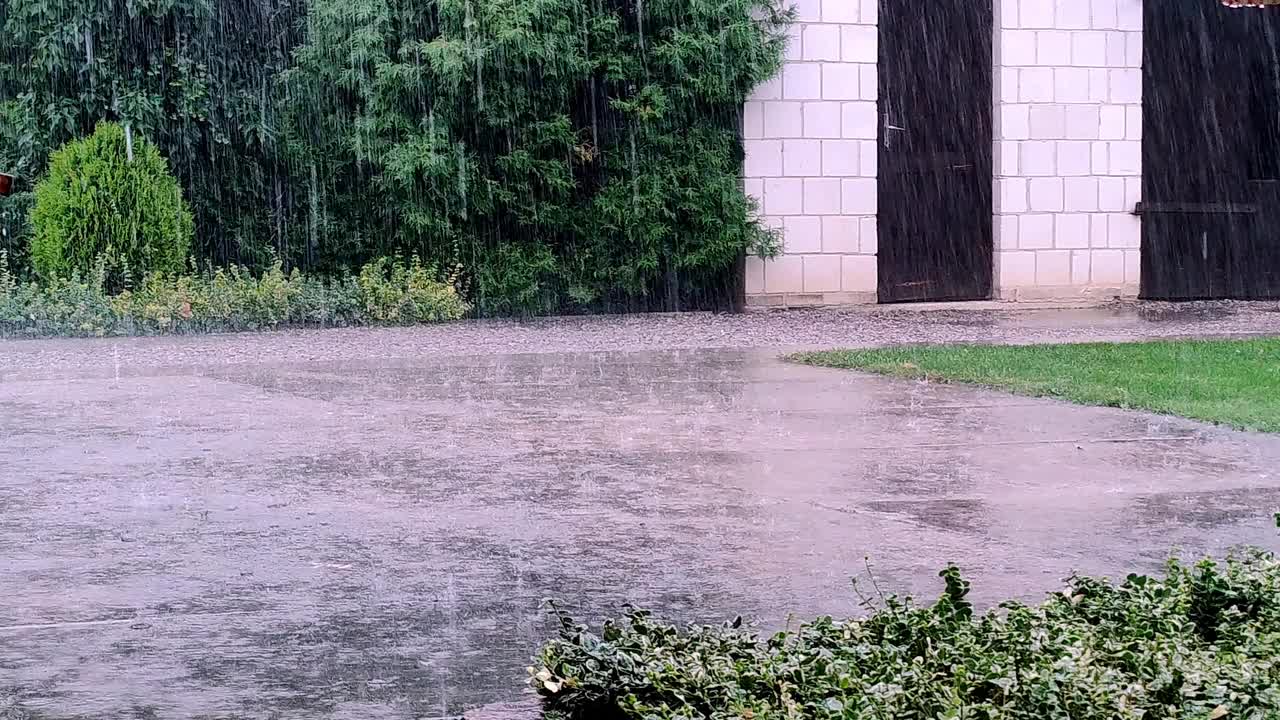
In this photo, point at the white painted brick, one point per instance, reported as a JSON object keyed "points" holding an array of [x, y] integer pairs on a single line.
{"points": [[822, 120], [784, 274], [1113, 121], [1126, 86], [1038, 158], [840, 234], [870, 235], [783, 119], [1015, 122], [1048, 122], [1008, 13], [755, 275], [801, 234], [769, 90], [1036, 14], [1073, 158], [1103, 14], [795, 44], [1071, 14], [1071, 230], [802, 81], [763, 158], [869, 12], [868, 158], [1009, 84], [1098, 158], [1013, 195], [1132, 266], [1083, 122], [1129, 14], [858, 120], [1115, 49], [1107, 265], [840, 11], [822, 196], [858, 196], [868, 83], [1080, 267], [1017, 48], [859, 43], [1007, 152], [1088, 49], [821, 42], [1080, 194], [1071, 85], [1053, 47], [1099, 87], [1097, 231], [1053, 268], [1006, 232], [1125, 157], [752, 120], [808, 10], [821, 273], [1046, 194], [754, 189], [1124, 231], [784, 196], [858, 273], [841, 158], [801, 158], [1035, 232], [1035, 85], [1133, 50], [1016, 269], [1132, 192], [1133, 122], [1111, 194], [840, 81]]}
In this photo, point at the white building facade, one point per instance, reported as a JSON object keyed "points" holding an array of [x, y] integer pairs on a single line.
{"points": [[1066, 153]]}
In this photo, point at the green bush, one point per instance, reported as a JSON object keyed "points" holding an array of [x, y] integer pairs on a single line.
{"points": [[224, 300], [97, 204], [399, 293], [1202, 643], [571, 155]]}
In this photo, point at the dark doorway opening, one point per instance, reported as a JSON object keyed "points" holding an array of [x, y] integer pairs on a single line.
{"points": [[935, 164], [1210, 151]]}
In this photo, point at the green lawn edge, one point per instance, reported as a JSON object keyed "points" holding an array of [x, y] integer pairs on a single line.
{"points": [[1235, 383]]}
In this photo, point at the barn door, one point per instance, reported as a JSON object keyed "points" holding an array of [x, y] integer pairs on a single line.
{"points": [[935, 173], [1210, 151]]}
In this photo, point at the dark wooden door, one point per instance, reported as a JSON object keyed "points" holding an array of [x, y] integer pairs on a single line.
{"points": [[935, 153], [1210, 151]]}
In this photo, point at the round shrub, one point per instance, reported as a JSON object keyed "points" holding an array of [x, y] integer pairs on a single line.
{"points": [[96, 203]]}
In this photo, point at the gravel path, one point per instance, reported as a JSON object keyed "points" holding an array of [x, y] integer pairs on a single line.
{"points": [[852, 327]]}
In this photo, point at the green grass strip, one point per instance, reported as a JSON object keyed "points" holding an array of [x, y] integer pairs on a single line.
{"points": [[1232, 382]]}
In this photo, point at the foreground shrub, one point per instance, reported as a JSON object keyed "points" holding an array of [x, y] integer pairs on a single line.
{"points": [[223, 300], [96, 203], [1204, 643]]}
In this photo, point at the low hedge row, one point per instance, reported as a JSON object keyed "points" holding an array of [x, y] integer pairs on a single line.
{"points": [[385, 292], [1202, 643]]}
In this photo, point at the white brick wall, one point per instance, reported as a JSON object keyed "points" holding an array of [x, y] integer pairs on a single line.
{"points": [[810, 141], [1068, 150]]}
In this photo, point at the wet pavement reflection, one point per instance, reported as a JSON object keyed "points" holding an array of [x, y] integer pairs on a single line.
{"points": [[373, 538]]}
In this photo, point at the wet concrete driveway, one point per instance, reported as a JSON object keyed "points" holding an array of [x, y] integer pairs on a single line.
{"points": [[368, 539]]}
